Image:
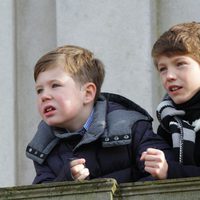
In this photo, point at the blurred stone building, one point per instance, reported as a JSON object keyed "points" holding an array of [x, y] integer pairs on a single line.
{"points": [[120, 33]]}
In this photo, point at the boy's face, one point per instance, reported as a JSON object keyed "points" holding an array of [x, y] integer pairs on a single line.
{"points": [[180, 76], [60, 99]]}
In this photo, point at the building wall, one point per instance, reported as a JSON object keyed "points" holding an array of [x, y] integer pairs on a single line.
{"points": [[120, 33]]}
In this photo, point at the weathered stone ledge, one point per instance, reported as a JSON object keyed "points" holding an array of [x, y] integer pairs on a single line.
{"points": [[94, 189], [176, 189], [107, 189]]}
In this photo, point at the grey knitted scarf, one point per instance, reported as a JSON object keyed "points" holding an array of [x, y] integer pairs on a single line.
{"points": [[182, 133]]}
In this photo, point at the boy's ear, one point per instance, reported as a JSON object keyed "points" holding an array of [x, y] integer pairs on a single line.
{"points": [[90, 92]]}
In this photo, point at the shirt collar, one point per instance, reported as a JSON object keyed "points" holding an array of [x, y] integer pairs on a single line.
{"points": [[89, 121]]}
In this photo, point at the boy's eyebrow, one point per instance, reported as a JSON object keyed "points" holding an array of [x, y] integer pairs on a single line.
{"points": [[37, 86], [160, 63], [173, 59], [48, 82]]}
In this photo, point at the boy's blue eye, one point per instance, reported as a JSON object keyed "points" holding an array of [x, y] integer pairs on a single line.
{"points": [[55, 85], [162, 69], [39, 91], [181, 63]]}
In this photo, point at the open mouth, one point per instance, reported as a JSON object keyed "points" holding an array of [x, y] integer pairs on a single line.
{"points": [[49, 109], [174, 88]]}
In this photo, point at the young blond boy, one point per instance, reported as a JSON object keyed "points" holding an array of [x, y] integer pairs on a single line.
{"points": [[176, 56], [85, 134]]}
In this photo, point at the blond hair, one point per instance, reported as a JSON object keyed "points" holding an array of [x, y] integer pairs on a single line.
{"points": [[80, 64]]}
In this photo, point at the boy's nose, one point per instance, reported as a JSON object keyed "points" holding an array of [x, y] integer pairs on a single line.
{"points": [[171, 75], [45, 96]]}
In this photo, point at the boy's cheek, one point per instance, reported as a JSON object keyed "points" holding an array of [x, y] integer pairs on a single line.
{"points": [[39, 109], [162, 79]]}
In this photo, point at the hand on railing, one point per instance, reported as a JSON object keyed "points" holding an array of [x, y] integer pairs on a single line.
{"points": [[155, 163], [78, 169]]}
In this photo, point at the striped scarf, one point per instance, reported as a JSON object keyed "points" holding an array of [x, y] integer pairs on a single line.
{"points": [[182, 133]]}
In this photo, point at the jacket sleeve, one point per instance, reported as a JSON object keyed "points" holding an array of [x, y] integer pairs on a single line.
{"points": [[177, 170], [144, 138], [126, 175], [121, 176], [45, 175]]}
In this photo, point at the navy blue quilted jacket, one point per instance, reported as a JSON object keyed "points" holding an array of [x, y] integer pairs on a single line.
{"points": [[121, 130]]}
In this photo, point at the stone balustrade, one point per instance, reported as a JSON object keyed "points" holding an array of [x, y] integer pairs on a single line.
{"points": [[107, 189]]}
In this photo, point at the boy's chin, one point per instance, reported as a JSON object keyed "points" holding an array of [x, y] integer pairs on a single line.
{"points": [[52, 123], [179, 100]]}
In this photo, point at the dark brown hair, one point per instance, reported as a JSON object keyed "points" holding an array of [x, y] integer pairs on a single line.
{"points": [[180, 39]]}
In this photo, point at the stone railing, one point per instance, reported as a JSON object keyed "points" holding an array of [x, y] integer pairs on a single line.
{"points": [[174, 189], [107, 189]]}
